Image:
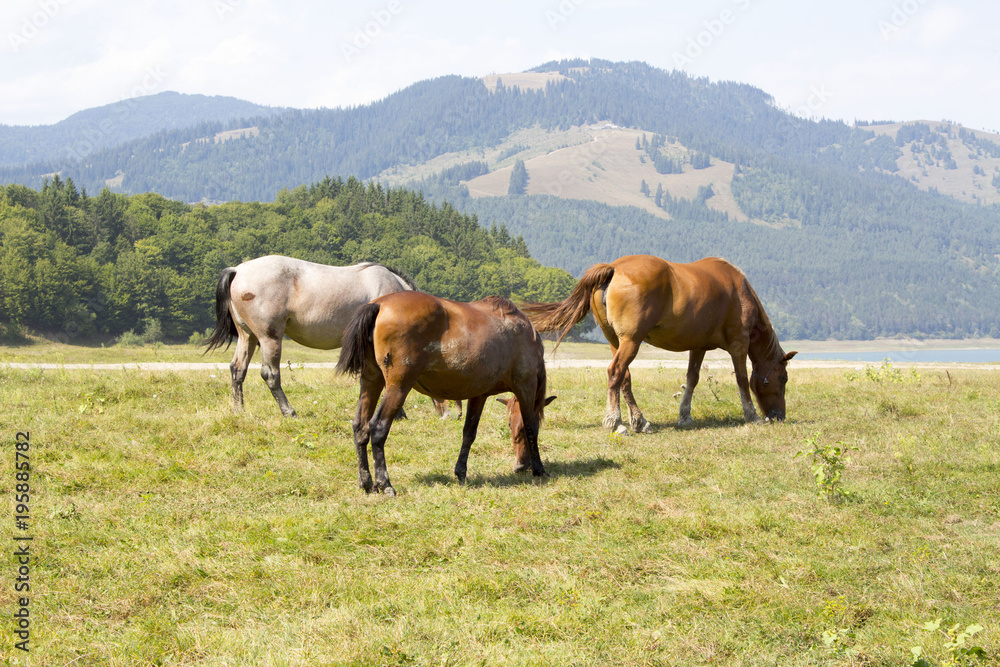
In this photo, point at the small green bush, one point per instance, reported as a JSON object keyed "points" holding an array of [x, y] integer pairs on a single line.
{"points": [[129, 339]]}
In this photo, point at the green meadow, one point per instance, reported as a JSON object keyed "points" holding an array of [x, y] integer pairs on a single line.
{"points": [[169, 531]]}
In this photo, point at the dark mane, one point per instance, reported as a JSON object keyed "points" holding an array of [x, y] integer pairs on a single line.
{"points": [[768, 334]]}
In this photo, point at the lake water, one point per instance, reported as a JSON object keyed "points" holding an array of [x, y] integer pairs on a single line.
{"points": [[968, 356]]}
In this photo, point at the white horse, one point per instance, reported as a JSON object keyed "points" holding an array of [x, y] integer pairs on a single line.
{"points": [[262, 300]]}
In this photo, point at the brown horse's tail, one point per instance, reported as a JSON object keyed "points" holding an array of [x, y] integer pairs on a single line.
{"points": [[358, 340], [225, 328], [565, 314]]}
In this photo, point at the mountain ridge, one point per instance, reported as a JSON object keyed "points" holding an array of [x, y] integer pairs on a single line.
{"points": [[99, 128], [834, 232]]}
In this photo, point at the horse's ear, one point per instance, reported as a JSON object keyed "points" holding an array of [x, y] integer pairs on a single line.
{"points": [[788, 357], [505, 401], [549, 399]]}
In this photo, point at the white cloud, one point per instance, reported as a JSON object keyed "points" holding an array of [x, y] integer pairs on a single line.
{"points": [[939, 24], [98, 51]]}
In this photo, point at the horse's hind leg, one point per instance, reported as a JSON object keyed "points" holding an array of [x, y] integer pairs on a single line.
{"points": [[638, 423], [270, 370], [372, 384], [693, 374], [378, 427], [245, 346], [624, 353], [444, 412]]}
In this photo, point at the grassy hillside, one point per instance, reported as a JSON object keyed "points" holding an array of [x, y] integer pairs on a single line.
{"points": [[606, 167], [973, 174], [598, 163]]}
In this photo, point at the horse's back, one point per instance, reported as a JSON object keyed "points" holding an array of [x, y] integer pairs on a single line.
{"points": [[469, 324], [459, 350], [309, 302], [651, 271], [674, 306]]}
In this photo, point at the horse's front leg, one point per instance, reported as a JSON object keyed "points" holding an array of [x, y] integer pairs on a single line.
{"points": [[743, 383], [473, 413], [693, 375], [531, 422]]}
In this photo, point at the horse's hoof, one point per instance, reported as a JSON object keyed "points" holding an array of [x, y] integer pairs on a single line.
{"points": [[621, 430], [685, 421], [389, 491], [522, 467], [539, 472], [643, 426], [611, 422], [365, 486]]}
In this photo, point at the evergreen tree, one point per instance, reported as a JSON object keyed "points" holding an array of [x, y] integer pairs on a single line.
{"points": [[518, 179]]}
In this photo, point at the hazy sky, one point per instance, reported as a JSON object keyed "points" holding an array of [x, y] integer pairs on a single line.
{"points": [[872, 59]]}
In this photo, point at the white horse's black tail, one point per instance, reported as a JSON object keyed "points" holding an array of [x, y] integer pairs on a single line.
{"points": [[225, 328]]}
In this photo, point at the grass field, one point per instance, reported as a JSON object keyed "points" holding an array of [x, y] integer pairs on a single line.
{"points": [[169, 531]]}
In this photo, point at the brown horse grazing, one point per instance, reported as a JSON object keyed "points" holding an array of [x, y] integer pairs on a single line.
{"points": [[412, 340], [705, 305], [265, 299]]}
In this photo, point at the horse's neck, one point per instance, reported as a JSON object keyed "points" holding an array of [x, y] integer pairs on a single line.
{"points": [[765, 348]]}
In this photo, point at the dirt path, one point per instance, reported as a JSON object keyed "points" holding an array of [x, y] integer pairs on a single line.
{"points": [[549, 363]]}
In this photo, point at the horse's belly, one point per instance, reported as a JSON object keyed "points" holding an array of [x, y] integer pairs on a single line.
{"points": [[457, 385], [320, 338], [679, 341]]}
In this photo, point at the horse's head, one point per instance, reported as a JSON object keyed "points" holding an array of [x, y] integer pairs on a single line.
{"points": [[768, 384], [518, 437]]}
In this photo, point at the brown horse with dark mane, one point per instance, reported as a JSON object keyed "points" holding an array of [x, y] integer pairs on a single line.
{"points": [[696, 307], [451, 350]]}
